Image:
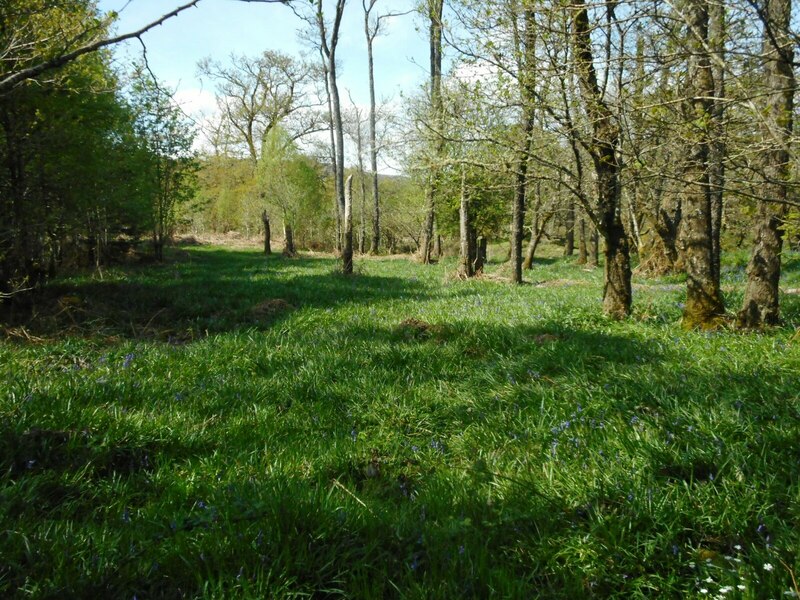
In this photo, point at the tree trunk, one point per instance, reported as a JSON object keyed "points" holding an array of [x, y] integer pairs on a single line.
{"points": [[337, 215], [362, 234], [347, 248], [288, 243], [466, 256], [518, 209], [704, 305], [569, 237], [594, 247], [427, 227], [717, 150], [527, 83], [761, 304], [582, 253], [480, 253], [328, 50], [435, 8], [267, 233], [537, 231], [373, 145], [158, 248], [617, 293]]}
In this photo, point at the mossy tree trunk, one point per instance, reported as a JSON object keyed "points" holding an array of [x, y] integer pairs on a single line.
{"points": [[704, 304]]}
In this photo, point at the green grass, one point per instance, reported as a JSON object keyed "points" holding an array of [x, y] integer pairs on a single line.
{"points": [[162, 439]]}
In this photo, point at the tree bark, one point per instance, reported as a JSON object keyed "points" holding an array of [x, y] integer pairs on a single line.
{"points": [[481, 245], [288, 243], [761, 303], [466, 256], [537, 231], [704, 305], [362, 233], [569, 237], [347, 247], [328, 50], [373, 145], [267, 233], [527, 83], [603, 147], [435, 8], [582, 253], [594, 247], [717, 150]]}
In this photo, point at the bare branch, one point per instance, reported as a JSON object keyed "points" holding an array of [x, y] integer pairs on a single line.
{"points": [[10, 81]]}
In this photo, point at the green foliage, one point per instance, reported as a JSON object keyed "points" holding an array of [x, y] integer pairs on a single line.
{"points": [[291, 183], [170, 168], [393, 435], [70, 180]]}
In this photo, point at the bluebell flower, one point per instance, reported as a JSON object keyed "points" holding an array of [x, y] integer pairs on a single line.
{"points": [[128, 360]]}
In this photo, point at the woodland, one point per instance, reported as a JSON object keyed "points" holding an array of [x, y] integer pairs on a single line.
{"points": [[529, 330]]}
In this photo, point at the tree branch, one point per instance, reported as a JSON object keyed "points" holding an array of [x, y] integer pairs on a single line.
{"points": [[10, 81]]}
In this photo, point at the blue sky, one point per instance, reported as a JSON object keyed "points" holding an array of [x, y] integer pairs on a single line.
{"points": [[218, 28]]}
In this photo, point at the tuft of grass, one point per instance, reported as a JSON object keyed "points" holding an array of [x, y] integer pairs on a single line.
{"points": [[231, 425]]}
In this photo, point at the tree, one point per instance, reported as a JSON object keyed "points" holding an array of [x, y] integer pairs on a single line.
{"points": [[347, 246], [604, 151], [354, 125], [372, 28], [28, 53], [72, 168], [255, 95], [328, 43], [171, 170], [290, 182], [434, 13], [703, 298], [526, 77], [760, 306]]}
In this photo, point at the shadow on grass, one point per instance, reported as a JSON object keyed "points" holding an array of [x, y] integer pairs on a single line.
{"points": [[438, 520], [213, 291]]}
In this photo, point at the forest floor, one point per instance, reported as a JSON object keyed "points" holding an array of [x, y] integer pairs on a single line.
{"points": [[228, 425]]}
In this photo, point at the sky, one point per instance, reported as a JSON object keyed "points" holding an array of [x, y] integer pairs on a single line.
{"points": [[219, 28]]}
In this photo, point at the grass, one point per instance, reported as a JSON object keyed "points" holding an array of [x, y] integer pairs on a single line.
{"points": [[229, 425]]}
